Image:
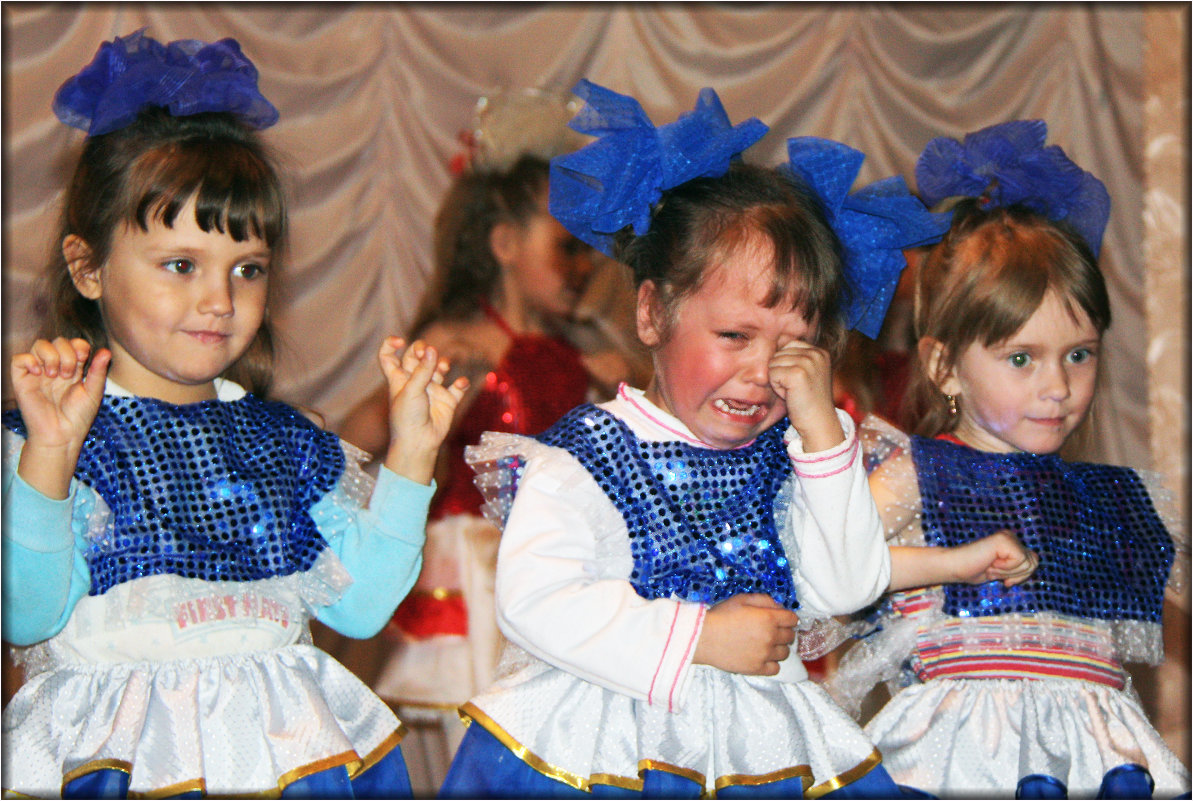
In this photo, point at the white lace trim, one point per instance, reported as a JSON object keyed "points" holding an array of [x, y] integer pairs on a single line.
{"points": [[1165, 505], [609, 531], [883, 653]]}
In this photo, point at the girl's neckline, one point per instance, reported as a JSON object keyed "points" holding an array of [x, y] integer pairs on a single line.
{"points": [[498, 320], [955, 440], [225, 390]]}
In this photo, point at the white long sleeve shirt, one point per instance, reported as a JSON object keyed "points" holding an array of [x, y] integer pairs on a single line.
{"points": [[563, 592]]}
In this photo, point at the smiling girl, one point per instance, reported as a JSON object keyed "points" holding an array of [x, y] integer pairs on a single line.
{"points": [[167, 532]]}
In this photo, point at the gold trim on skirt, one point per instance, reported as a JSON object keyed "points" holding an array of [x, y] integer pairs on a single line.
{"points": [[804, 772], [188, 786], [853, 774], [377, 754], [470, 712], [124, 766], [349, 759]]}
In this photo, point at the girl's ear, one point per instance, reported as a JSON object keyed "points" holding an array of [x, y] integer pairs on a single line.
{"points": [[649, 330], [932, 354], [83, 274], [504, 239]]}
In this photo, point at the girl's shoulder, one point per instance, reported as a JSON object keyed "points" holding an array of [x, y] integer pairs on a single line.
{"points": [[885, 447], [891, 473]]}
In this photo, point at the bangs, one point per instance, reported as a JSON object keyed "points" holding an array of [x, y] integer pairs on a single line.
{"points": [[993, 276], [235, 192], [804, 259], [1005, 303]]}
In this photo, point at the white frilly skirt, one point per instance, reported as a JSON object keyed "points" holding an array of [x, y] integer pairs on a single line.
{"points": [[248, 723], [978, 737], [731, 730]]}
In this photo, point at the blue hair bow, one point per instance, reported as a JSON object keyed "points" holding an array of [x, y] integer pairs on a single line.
{"points": [[187, 77], [875, 224], [616, 180], [1007, 164]]}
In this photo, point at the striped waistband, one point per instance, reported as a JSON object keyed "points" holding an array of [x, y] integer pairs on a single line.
{"points": [[977, 650]]}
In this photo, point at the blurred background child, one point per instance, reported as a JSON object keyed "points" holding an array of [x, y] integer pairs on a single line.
{"points": [[502, 306]]}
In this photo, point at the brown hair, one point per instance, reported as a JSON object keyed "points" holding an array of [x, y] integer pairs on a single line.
{"points": [[694, 225], [466, 271], [147, 172], [983, 282]]}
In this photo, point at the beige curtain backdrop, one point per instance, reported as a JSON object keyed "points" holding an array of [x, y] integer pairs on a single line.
{"points": [[372, 97]]}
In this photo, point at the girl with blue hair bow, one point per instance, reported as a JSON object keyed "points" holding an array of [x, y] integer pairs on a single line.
{"points": [[1016, 691], [661, 550], [168, 532]]}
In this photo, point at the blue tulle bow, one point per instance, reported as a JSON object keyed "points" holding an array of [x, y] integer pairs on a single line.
{"points": [[875, 224], [615, 181], [1007, 164], [187, 77]]}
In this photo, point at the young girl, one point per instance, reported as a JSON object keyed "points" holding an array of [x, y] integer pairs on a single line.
{"points": [[507, 278], [507, 275], [167, 534], [658, 546], [1021, 690]]}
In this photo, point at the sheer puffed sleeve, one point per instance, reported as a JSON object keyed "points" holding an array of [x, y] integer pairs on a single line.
{"points": [[563, 592]]}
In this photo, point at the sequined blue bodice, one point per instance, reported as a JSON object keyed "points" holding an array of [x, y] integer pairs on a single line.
{"points": [[1104, 552], [217, 490], [701, 521]]}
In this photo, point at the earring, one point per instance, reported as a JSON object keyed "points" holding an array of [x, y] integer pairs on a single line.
{"points": [[951, 400]]}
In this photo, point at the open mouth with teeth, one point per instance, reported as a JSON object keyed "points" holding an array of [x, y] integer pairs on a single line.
{"points": [[737, 409]]}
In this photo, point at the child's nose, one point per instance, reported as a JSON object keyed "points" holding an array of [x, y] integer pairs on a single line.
{"points": [[216, 297], [758, 366], [1056, 383]]}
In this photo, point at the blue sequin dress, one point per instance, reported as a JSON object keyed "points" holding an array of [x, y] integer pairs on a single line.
{"points": [[165, 606], [622, 530], [996, 686]]}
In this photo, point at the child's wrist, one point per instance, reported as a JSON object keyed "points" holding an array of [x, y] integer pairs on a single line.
{"points": [[821, 435], [417, 467], [957, 566], [49, 468]]}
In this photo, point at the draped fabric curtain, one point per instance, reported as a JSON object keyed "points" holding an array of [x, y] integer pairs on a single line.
{"points": [[372, 97]]}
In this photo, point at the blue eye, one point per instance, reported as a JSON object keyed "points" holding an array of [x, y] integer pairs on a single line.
{"points": [[1081, 355], [1019, 359]]}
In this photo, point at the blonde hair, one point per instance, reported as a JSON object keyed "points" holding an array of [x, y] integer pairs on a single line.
{"points": [[983, 282]]}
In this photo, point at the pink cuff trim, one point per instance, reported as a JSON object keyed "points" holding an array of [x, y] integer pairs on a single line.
{"points": [[854, 449]]}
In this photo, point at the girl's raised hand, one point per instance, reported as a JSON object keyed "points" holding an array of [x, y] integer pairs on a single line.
{"points": [[58, 403], [802, 375], [420, 406]]}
